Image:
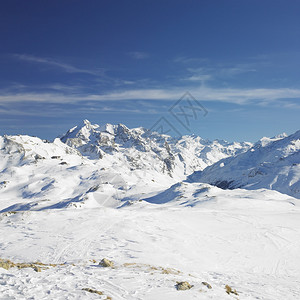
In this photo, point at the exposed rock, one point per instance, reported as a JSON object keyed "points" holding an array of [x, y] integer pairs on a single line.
{"points": [[207, 284], [37, 269], [94, 188], [37, 156], [55, 157], [183, 285], [229, 290], [106, 263], [92, 291], [36, 266], [170, 271], [96, 292], [6, 264], [8, 213], [3, 184]]}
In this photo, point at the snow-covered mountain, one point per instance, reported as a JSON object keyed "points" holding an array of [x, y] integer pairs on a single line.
{"points": [[141, 148], [98, 164], [124, 194], [273, 163]]}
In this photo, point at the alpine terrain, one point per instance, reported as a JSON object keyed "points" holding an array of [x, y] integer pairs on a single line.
{"points": [[108, 212]]}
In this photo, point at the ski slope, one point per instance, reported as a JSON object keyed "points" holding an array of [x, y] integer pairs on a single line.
{"points": [[192, 232]]}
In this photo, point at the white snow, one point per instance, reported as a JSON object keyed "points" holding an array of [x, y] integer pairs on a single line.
{"points": [[274, 164], [61, 203], [246, 239]]}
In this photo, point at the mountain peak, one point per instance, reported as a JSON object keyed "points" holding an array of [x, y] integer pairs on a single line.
{"points": [[265, 141], [272, 163], [87, 122], [109, 128], [82, 131], [89, 125]]}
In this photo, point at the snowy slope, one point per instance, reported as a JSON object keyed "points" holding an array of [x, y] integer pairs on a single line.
{"points": [[192, 232], [95, 166], [271, 163], [109, 191]]}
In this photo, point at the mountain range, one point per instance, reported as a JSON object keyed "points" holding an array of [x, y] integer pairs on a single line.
{"points": [[92, 165], [99, 162], [220, 218], [272, 163]]}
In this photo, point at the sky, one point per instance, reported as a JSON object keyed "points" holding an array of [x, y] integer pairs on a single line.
{"points": [[219, 69]]}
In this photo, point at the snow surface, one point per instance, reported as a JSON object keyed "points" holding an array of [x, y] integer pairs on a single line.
{"points": [[119, 193], [271, 163], [246, 239]]}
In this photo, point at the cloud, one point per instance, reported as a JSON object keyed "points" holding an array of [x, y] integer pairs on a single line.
{"points": [[229, 95], [215, 72], [232, 71], [57, 64], [190, 60], [206, 94], [200, 78], [99, 74], [202, 70], [138, 55], [50, 109]]}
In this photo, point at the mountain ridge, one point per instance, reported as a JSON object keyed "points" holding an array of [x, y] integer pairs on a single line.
{"points": [[98, 165], [271, 163], [103, 165]]}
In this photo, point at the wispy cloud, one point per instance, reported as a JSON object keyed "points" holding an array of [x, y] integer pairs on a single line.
{"points": [[57, 64], [285, 96], [218, 72], [50, 109], [137, 89], [201, 69], [199, 78], [138, 55], [190, 60], [198, 75], [235, 70], [230, 95]]}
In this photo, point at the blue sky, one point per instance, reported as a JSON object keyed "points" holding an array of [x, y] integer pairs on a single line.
{"points": [[130, 61]]}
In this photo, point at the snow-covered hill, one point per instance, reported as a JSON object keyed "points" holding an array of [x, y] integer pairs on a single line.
{"points": [[123, 194], [93, 165], [273, 163], [248, 240]]}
